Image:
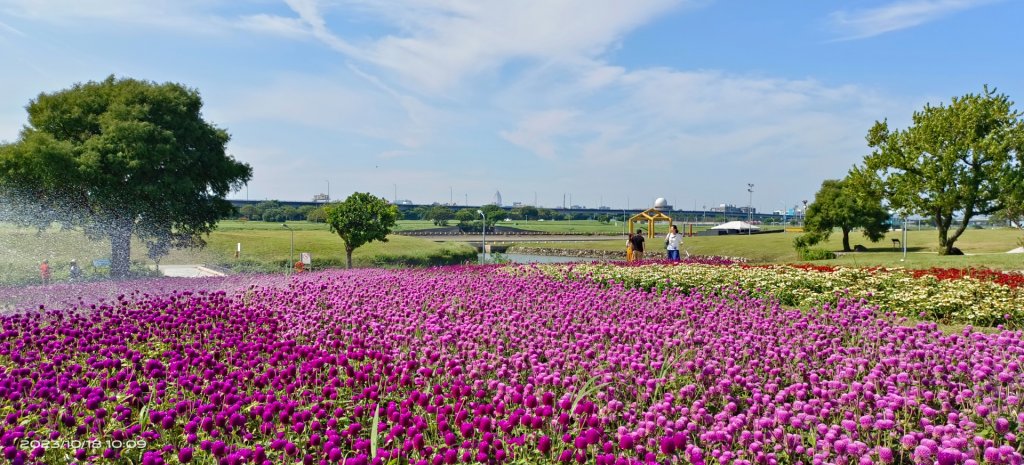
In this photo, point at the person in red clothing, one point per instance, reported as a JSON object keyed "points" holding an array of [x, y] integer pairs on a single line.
{"points": [[44, 271]]}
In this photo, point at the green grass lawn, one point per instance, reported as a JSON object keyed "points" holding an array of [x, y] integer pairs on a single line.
{"points": [[265, 247], [985, 248], [274, 245]]}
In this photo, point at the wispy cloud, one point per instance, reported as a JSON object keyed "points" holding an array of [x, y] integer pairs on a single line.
{"points": [[434, 44], [864, 23], [8, 29], [537, 132]]}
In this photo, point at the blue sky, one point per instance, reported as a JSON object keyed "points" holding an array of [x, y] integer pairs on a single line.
{"points": [[601, 100]]}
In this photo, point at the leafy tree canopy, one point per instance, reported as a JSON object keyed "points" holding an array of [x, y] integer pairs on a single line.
{"points": [[962, 159], [839, 204], [122, 157], [360, 219], [440, 215]]}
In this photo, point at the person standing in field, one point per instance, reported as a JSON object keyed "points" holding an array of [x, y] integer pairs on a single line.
{"points": [[44, 271], [638, 245], [672, 242], [75, 271], [629, 248]]}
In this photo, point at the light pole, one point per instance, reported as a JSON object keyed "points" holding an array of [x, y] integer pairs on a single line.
{"points": [[703, 213], [291, 252], [904, 239], [803, 222], [750, 208], [483, 243]]}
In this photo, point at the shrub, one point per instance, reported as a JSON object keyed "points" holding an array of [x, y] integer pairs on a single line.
{"points": [[815, 254], [804, 241]]}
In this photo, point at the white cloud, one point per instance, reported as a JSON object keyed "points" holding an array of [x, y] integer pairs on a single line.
{"points": [[905, 14], [435, 44], [659, 124], [8, 29], [292, 28], [536, 132], [185, 15]]}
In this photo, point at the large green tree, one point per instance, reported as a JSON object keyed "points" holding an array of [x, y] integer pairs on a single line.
{"points": [[360, 219], [122, 157], [839, 204], [954, 163]]}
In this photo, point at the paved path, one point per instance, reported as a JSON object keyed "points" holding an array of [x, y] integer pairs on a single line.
{"points": [[188, 271]]}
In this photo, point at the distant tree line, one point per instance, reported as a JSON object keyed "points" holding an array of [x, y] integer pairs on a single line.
{"points": [[276, 212], [442, 215]]}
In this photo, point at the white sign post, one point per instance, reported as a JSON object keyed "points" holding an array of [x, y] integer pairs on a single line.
{"points": [[306, 258]]}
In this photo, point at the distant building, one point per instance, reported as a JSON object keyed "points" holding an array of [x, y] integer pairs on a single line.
{"points": [[321, 198], [517, 204], [728, 208], [661, 204], [404, 202], [497, 198]]}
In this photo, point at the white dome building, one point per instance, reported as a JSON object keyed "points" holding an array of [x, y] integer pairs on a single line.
{"points": [[661, 204]]}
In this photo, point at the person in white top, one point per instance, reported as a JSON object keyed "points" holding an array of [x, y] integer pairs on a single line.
{"points": [[672, 242]]}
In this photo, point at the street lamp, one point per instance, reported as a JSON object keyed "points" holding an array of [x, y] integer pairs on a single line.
{"points": [[803, 222], [750, 208], [291, 252], [483, 243], [904, 239]]}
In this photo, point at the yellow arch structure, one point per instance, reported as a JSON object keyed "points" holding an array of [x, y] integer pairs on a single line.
{"points": [[651, 216]]}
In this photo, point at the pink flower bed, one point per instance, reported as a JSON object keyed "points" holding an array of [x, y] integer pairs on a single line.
{"points": [[471, 365]]}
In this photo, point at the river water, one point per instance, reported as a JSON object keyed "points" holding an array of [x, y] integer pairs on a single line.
{"points": [[525, 258]]}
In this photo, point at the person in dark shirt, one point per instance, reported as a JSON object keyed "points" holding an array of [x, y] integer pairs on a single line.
{"points": [[638, 245], [74, 271]]}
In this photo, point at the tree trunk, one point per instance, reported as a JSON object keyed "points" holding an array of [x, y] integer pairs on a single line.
{"points": [[846, 240], [348, 255], [120, 248], [951, 239]]}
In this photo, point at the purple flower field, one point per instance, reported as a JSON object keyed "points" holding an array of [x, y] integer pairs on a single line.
{"points": [[474, 365]]}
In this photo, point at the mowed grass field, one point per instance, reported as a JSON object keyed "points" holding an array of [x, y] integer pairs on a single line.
{"points": [[272, 242], [265, 247], [983, 248]]}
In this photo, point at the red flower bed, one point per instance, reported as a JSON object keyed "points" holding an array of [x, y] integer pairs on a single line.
{"points": [[1013, 280]]}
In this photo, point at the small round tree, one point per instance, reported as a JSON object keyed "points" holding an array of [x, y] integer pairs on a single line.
{"points": [[360, 219]]}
